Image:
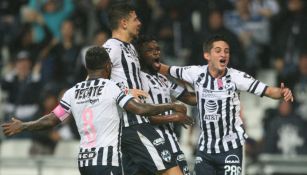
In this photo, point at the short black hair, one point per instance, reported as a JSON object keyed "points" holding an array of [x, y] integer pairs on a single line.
{"points": [[96, 57], [141, 40], [207, 46], [117, 12]]}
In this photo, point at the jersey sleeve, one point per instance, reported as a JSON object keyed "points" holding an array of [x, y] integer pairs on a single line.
{"points": [[176, 90], [245, 82], [119, 94], [63, 110], [187, 73]]}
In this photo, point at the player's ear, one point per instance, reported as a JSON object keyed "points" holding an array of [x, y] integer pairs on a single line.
{"points": [[123, 23], [206, 56]]}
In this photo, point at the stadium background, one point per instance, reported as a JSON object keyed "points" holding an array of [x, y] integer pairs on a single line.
{"points": [[46, 40]]}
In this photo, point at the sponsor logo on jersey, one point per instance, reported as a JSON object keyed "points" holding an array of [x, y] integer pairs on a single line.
{"points": [[93, 101], [180, 157], [159, 141], [81, 94], [166, 156], [211, 117], [87, 155], [198, 160], [232, 159], [211, 107]]}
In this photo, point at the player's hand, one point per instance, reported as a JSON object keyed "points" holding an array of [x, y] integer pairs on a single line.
{"points": [[180, 108], [184, 119], [137, 93], [12, 128], [286, 93]]}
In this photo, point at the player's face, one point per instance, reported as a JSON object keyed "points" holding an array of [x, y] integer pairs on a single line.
{"points": [[218, 57], [133, 25], [151, 56], [108, 68]]}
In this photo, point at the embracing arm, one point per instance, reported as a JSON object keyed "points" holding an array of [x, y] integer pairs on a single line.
{"points": [[278, 93], [147, 109], [164, 69], [176, 118], [16, 126], [188, 98]]}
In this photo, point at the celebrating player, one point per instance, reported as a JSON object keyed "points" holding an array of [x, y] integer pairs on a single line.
{"points": [[94, 105], [217, 88]]}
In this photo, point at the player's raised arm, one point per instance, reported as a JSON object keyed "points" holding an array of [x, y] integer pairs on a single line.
{"points": [[147, 109], [16, 126], [278, 93], [164, 69]]}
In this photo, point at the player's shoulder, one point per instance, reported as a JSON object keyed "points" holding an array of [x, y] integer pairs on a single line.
{"points": [[237, 73], [197, 68], [112, 45]]}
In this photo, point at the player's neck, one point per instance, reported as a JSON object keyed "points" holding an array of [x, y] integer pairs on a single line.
{"points": [[149, 71], [122, 36], [97, 74], [215, 73]]}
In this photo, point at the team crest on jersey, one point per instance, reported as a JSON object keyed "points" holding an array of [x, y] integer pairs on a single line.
{"points": [[123, 88], [166, 156], [230, 86], [186, 170]]}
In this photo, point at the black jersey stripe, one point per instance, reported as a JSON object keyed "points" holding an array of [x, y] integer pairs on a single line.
{"points": [[212, 83], [110, 155], [220, 124], [213, 136], [135, 77], [126, 70], [250, 87], [206, 81], [255, 87], [100, 155]]}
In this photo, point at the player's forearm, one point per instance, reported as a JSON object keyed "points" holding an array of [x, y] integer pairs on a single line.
{"points": [[45, 122], [150, 110], [147, 109], [164, 69], [273, 92], [188, 98], [162, 119]]}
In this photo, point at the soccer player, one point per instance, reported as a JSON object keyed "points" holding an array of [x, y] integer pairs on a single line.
{"points": [[217, 89], [139, 138], [161, 90], [94, 105]]}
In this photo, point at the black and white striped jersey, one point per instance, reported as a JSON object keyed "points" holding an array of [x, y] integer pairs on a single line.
{"points": [[125, 70], [218, 105], [161, 90], [94, 106]]}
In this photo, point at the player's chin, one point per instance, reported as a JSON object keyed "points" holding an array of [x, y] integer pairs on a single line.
{"points": [[156, 66]]}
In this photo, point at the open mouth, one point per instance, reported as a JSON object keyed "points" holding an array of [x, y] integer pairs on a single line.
{"points": [[156, 63], [223, 61]]}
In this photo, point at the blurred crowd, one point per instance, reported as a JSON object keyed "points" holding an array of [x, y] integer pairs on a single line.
{"points": [[43, 43]]}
